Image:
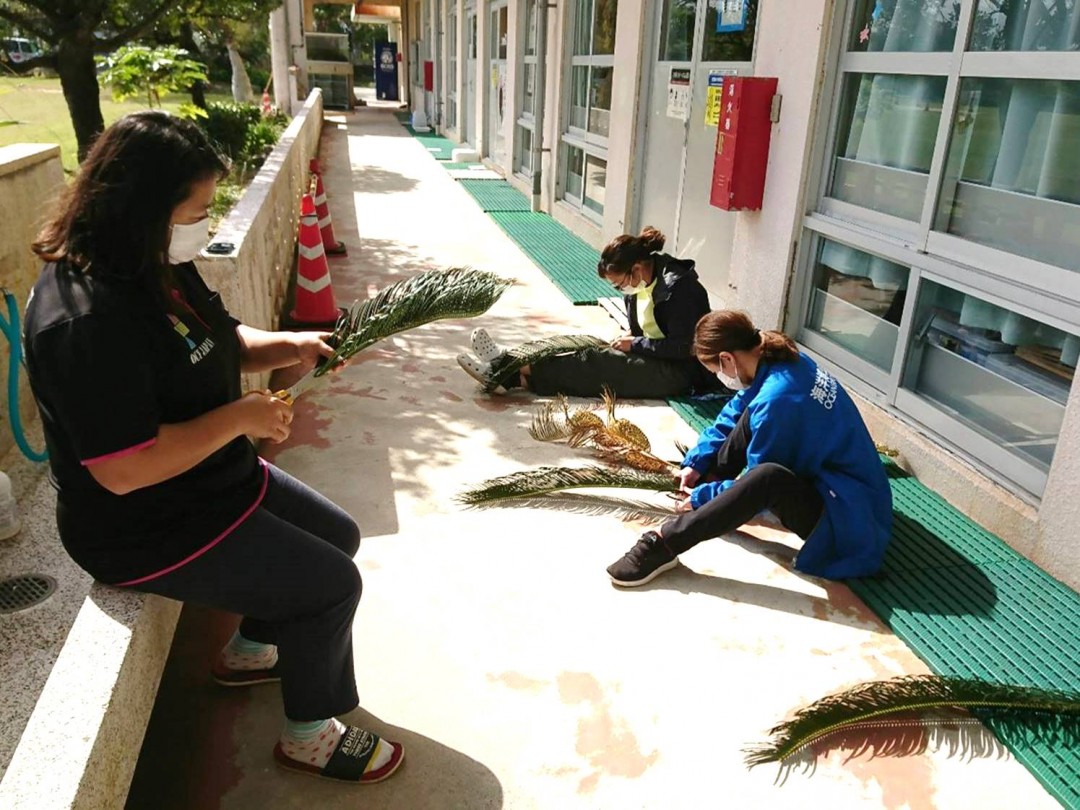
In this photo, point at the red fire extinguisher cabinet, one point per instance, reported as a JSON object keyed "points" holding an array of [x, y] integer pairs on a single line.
{"points": [[742, 143]]}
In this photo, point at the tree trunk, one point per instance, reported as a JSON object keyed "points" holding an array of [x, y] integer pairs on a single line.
{"points": [[241, 84], [187, 42], [78, 78]]}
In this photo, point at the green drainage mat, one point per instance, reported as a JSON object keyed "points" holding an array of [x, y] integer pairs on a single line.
{"points": [[698, 413], [970, 606], [438, 147], [496, 195], [568, 261]]}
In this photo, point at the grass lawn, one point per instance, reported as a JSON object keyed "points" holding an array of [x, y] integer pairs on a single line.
{"points": [[33, 111]]}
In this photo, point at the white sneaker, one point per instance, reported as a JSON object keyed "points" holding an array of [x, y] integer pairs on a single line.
{"points": [[474, 368], [484, 347]]}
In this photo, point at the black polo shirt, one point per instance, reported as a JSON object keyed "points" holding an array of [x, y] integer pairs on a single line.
{"points": [[108, 365]]}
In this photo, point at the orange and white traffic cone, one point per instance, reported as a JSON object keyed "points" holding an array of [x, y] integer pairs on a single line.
{"points": [[314, 295], [330, 242]]}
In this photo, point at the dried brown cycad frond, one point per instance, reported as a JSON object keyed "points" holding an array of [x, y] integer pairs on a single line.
{"points": [[646, 462], [549, 423], [623, 429]]}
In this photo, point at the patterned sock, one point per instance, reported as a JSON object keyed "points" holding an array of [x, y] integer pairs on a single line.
{"points": [[313, 743], [244, 654]]}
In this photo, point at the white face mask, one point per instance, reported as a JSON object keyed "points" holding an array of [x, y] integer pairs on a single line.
{"points": [[731, 383], [626, 289], [185, 241]]}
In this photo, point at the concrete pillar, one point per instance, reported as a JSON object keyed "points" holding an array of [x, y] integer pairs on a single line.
{"points": [[514, 46], [483, 75], [630, 38], [294, 13], [790, 46], [279, 57]]}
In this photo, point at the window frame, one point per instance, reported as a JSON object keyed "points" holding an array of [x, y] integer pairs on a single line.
{"points": [[1030, 287], [574, 137]]}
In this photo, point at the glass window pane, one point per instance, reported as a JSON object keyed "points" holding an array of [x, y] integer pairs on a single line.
{"points": [[595, 183], [1000, 373], [530, 27], [857, 301], [583, 27], [904, 25], [1011, 25], [498, 33], [603, 40], [528, 89], [575, 172], [579, 96], [728, 46], [525, 145], [677, 30], [1012, 177], [600, 100], [885, 142]]}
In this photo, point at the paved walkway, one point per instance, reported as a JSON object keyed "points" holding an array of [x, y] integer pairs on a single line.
{"points": [[491, 642]]}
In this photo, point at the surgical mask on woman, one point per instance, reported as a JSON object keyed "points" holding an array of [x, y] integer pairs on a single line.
{"points": [[731, 383], [185, 241]]}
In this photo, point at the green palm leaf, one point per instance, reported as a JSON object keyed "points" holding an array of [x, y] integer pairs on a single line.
{"points": [[530, 483], [458, 292], [1049, 711], [534, 351], [583, 503]]}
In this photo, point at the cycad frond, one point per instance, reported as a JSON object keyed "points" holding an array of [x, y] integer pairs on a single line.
{"points": [[551, 422], [457, 292], [582, 503], [534, 351], [623, 429], [1044, 710], [530, 483]]}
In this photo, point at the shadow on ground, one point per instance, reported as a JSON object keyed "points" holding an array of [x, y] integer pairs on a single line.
{"points": [[193, 756]]}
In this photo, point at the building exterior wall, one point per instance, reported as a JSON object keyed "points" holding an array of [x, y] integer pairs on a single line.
{"points": [[771, 259]]}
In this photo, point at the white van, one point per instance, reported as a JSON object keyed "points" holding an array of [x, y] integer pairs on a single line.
{"points": [[19, 49]]}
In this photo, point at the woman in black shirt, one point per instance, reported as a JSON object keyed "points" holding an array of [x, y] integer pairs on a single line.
{"points": [[136, 367]]}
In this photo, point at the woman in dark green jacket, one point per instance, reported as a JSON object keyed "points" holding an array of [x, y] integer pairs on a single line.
{"points": [[664, 301]]}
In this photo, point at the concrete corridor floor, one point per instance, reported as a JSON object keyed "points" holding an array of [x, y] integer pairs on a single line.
{"points": [[491, 642]]}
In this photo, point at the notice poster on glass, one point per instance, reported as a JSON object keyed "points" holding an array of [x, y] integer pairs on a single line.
{"points": [[732, 16], [678, 94], [714, 93]]}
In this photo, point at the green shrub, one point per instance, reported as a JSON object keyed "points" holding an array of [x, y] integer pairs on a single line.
{"points": [[259, 79], [227, 124], [259, 141]]}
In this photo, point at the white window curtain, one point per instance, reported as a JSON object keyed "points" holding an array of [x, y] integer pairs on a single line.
{"points": [[1015, 329], [1027, 25]]}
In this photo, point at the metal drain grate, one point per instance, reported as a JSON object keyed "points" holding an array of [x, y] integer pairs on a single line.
{"points": [[20, 593]]}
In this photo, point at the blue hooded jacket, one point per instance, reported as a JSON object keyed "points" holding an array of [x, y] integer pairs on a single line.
{"points": [[801, 418]]}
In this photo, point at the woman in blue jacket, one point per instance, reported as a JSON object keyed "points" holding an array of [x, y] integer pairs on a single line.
{"points": [[801, 448], [664, 300]]}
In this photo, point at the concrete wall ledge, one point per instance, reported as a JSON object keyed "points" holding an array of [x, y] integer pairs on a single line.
{"points": [[19, 156], [253, 279]]}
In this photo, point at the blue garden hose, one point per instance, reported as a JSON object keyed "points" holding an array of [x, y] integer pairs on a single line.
{"points": [[10, 328]]}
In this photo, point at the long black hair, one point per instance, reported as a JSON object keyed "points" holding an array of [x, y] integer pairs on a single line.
{"points": [[112, 221]]}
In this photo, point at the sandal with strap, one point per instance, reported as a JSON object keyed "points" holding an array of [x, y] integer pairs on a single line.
{"points": [[353, 753]]}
